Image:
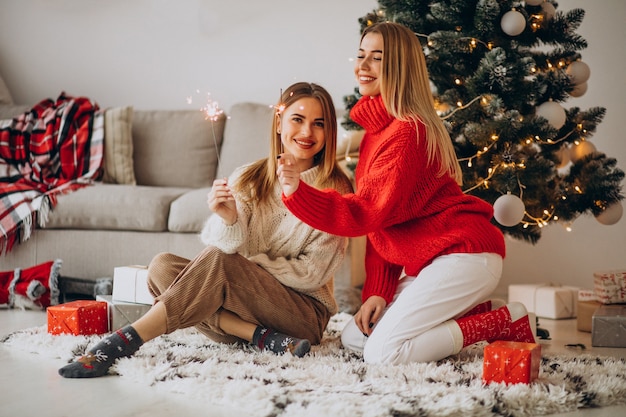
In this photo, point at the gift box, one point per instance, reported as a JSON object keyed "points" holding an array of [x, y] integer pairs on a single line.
{"points": [[586, 306], [608, 327], [81, 317], [511, 362], [130, 284], [550, 301], [610, 286], [122, 313]]}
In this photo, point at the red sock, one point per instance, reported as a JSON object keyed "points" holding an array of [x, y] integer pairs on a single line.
{"points": [[484, 307], [484, 326], [520, 330]]}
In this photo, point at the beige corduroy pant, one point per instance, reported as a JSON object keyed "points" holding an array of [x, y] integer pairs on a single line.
{"points": [[194, 292]]}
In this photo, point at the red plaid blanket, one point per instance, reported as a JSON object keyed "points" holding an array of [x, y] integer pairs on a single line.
{"points": [[56, 147]]}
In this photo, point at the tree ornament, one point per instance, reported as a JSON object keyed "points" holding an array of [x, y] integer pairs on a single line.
{"points": [[578, 72], [513, 23], [548, 10], [534, 2], [580, 150], [508, 210], [611, 215], [553, 113], [578, 90], [564, 157]]}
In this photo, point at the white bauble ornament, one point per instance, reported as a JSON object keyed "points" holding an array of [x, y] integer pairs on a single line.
{"points": [[578, 72], [534, 2], [564, 157], [548, 10], [553, 112], [578, 90], [611, 215], [508, 210], [578, 152], [513, 23]]}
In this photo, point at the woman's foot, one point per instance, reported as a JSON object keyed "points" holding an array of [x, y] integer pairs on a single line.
{"points": [[271, 340], [97, 361]]}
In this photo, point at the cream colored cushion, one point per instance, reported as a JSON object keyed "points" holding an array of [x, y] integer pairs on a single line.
{"points": [[115, 207], [189, 212], [175, 148], [118, 146], [246, 137]]}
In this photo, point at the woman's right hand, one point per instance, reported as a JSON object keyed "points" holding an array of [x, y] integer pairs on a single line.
{"points": [[369, 314], [222, 202]]}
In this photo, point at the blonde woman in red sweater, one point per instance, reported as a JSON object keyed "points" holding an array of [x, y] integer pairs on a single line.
{"points": [[432, 254]]}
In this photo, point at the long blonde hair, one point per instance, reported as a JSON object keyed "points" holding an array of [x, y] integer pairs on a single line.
{"points": [[259, 179], [405, 90]]}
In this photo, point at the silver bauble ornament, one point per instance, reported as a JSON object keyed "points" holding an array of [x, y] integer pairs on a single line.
{"points": [[578, 72], [611, 215], [553, 113], [548, 10], [508, 210], [513, 23], [578, 90], [578, 152]]}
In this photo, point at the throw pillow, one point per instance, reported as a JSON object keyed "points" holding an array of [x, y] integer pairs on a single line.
{"points": [[5, 95], [118, 146]]}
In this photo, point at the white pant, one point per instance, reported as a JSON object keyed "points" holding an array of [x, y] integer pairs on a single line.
{"points": [[413, 326]]}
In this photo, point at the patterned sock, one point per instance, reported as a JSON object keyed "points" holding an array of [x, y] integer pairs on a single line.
{"points": [[521, 330], [268, 339], [484, 326], [97, 361], [484, 307]]}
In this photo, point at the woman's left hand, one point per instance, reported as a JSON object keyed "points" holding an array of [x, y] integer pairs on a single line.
{"points": [[288, 174]]}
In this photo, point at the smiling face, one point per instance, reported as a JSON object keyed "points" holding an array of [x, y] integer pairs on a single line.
{"points": [[368, 64], [301, 128]]}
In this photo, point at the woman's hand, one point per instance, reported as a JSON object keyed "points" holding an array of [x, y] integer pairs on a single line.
{"points": [[369, 313], [222, 202], [288, 174]]}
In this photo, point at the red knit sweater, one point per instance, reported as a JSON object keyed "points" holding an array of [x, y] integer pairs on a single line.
{"points": [[409, 214]]}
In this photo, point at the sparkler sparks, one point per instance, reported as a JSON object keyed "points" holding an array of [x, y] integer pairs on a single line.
{"points": [[212, 112]]}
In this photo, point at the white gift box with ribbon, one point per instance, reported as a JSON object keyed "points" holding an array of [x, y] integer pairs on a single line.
{"points": [[550, 301]]}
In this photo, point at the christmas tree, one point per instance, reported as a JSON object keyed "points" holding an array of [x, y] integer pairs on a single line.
{"points": [[501, 72]]}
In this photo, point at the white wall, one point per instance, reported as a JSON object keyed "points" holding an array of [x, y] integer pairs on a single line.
{"points": [[155, 53]]}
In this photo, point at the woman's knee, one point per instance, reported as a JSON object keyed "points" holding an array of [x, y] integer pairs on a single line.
{"points": [[352, 338]]}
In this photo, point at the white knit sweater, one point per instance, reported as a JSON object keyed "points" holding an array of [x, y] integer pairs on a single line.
{"points": [[299, 256]]}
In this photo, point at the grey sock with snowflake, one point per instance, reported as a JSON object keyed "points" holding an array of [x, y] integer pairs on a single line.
{"points": [[268, 339], [97, 361]]}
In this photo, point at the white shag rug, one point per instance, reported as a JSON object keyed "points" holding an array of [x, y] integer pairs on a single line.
{"points": [[332, 381]]}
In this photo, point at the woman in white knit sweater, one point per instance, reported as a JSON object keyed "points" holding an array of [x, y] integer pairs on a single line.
{"points": [[265, 277]]}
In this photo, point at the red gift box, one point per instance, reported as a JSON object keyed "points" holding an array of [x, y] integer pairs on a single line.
{"points": [[511, 362], [82, 317]]}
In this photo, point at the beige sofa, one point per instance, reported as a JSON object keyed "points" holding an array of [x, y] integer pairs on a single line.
{"points": [[159, 168]]}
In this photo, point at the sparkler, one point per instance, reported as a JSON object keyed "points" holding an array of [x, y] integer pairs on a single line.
{"points": [[212, 112]]}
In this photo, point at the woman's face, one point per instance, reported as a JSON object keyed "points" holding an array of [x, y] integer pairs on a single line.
{"points": [[368, 62], [301, 128]]}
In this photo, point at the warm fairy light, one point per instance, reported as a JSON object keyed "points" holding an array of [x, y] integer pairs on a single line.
{"points": [[458, 81]]}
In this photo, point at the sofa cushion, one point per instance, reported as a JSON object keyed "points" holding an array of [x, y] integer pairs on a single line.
{"points": [[175, 148], [246, 137], [115, 207], [189, 211], [118, 146]]}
